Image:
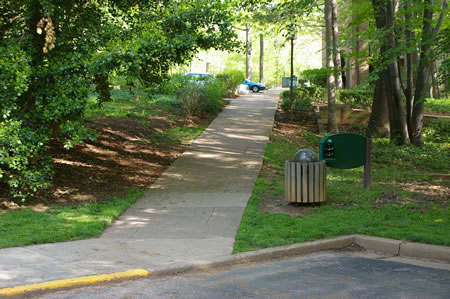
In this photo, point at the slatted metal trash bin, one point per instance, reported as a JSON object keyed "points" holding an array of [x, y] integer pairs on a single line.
{"points": [[305, 181]]}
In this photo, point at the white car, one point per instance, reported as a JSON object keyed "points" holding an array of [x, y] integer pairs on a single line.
{"points": [[199, 78]]}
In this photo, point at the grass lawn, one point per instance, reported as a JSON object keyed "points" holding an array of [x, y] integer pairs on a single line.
{"points": [[441, 105], [408, 199], [61, 223]]}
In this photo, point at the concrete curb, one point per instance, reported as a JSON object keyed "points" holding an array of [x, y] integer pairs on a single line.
{"points": [[71, 282], [375, 244]]}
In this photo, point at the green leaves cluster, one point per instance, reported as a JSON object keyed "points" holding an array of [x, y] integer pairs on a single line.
{"points": [[52, 53]]}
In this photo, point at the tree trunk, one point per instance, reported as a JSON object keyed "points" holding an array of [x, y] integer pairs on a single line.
{"points": [[261, 58], [332, 123], [410, 59], [435, 93], [385, 21], [378, 125], [336, 53], [291, 85], [248, 56], [423, 77]]}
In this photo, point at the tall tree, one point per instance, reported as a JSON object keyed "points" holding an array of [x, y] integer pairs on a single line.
{"points": [[336, 50], [52, 51], [261, 58], [424, 69], [331, 82], [384, 11], [248, 51]]}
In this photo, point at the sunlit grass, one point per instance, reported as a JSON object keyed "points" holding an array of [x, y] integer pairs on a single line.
{"points": [[132, 104], [178, 135], [441, 105], [350, 208], [61, 223]]}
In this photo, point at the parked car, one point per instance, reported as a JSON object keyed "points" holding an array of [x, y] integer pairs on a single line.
{"points": [[199, 78], [254, 86]]}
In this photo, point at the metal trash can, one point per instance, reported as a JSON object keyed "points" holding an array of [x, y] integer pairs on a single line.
{"points": [[305, 181]]}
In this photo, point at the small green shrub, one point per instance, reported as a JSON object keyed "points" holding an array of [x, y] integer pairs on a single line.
{"points": [[437, 131], [317, 77], [197, 98], [302, 102], [441, 105], [193, 99], [354, 98], [232, 79]]}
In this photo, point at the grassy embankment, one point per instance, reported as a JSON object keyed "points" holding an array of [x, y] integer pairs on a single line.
{"points": [[406, 200]]}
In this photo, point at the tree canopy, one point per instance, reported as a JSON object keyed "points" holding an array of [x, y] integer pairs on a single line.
{"points": [[52, 51]]}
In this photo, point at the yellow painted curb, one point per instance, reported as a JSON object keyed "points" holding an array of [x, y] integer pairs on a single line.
{"points": [[72, 282]]}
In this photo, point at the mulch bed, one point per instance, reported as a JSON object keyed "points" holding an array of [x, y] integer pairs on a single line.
{"points": [[121, 158]]}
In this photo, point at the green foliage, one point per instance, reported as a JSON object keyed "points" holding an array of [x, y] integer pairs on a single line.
{"points": [[201, 97], [193, 99], [434, 156], [355, 98], [51, 52], [441, 105], [317, 77], [22, 166], [437, 131], [232, 79], [216, 91], [302, 101], [61, 223]]}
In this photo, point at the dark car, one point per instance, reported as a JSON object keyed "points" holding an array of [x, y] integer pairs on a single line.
{"points": [[254, 86]]}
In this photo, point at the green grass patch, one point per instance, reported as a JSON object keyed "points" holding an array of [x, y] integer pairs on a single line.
{"points": [[132, 104], [61, 223], [350, 208], [177, 136], [441, 105]]}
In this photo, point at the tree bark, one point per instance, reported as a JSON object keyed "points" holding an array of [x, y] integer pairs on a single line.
{"points": [[261, 58], [332, 123], [248, 56], [435, 93], [378, 125], [385, 20], [423, 77], [291, 85], [336, 53], [409, 78]]}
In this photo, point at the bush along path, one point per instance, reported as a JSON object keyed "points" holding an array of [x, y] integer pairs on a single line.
{"points": [[408, 199]]}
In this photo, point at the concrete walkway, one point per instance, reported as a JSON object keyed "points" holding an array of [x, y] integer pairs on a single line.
{"points": [[192, 212]]}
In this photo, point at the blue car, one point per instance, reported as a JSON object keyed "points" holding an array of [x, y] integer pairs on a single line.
{"points": [[254, 86]]}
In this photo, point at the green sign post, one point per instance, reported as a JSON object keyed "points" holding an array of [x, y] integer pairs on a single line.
{"points": [[346, 151]]}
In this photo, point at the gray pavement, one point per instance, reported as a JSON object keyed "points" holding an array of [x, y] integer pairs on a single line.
{"points": [[191, 213], [317, 275]]}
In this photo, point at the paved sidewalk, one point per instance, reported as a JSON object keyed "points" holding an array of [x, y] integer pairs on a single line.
{"points": [[192, 212]]}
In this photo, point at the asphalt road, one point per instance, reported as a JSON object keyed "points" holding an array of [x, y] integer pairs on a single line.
{"points": [[319, 275]]}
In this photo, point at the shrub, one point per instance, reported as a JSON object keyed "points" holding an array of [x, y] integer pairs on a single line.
{"points": [[216, 90], [302, 102], [437, 131], [317, 77], [232, 79], [193, 99], [198, 98], [355, 97]]}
